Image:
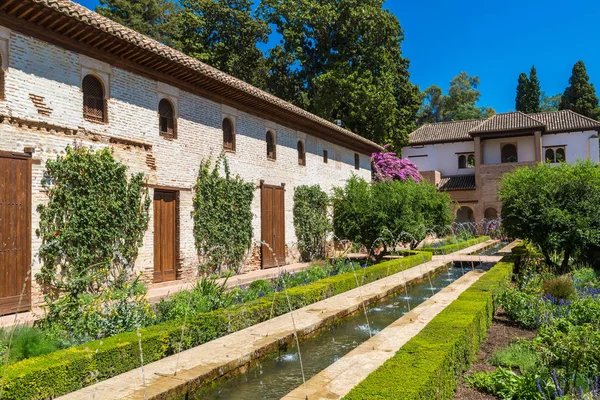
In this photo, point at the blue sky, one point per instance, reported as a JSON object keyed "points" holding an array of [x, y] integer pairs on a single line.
{"points": [[496, 40]]}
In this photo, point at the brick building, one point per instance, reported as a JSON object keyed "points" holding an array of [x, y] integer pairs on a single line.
{"points": [[468, 158], [69, 74]]}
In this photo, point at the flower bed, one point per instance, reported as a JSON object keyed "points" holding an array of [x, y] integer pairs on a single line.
{"points": [[428, 366], [67, 370], [451, 248]]}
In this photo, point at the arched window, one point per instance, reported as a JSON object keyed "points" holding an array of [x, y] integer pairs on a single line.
{"points": [[94, 104], [549, 155], [301, 153], [490, 213], [271, 149], [509, 153], [462, 161], [356, 161], [560, 155], [166, 119], [471, 161], [228, 135]]}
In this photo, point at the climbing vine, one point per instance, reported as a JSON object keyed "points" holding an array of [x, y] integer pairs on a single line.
{"points": [[222, 216], [311, 222]]}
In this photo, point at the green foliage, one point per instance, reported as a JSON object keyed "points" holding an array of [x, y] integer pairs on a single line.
{"points": [[222, 216], [311, 222], [528, 93], [561, 288], [25, 343], [550, 103], [366, 212], [158, 19], [225, 34], [521, 355], [67, 370], [91, 228], [555, 207], [580, 95], [453, 247], [585, 277], [505, 384], [342, 60], [458, 104]]}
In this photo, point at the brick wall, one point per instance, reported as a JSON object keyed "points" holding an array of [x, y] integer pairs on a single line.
{"points": [[38, 70]]}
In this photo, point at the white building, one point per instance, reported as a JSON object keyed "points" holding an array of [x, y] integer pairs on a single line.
{"points": [[70, 74], [468, 158]]}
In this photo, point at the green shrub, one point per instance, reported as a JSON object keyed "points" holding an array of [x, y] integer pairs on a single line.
{"points": [[505, 384], [222, 216], [521, 355], [451, 248], [25, 343], [67, 370], [311, 222], [560, 289], [585, 277], [428, 365], [386, 212], [529, 309]]}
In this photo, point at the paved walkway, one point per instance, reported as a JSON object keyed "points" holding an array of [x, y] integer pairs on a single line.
{"points": [[226, 354], [339, 378], [468, 258]]}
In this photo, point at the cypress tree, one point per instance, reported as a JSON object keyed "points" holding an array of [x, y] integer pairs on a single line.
{"points": [[533, 93], [580, 95], [520, 101]]}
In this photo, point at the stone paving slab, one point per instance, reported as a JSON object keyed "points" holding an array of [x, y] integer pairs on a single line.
{"points": [[339, 378], [229, 353]]}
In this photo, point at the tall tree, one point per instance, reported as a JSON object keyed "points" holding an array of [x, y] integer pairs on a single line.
{"points": [[580, 95], [158, 19], [342, 60], [533, 93], [432, 104], [550, 103], [522, 85], [225, 35]]}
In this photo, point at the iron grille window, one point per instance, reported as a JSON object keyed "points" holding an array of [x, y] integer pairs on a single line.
{"points": [[166, 119], [94, 104], [271, 150], [325, 156], [228, 135], [356, 161]]}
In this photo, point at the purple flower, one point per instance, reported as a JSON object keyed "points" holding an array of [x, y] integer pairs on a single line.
{"points": [[388, 167]]}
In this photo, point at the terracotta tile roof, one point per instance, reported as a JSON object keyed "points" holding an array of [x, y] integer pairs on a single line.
{"points": [[457, 182], [215, 77], [454, 131], [507, 122], [547, 122], [565, 121]]}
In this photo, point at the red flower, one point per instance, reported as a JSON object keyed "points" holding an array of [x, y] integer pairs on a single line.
{"points": [[56, 233]]}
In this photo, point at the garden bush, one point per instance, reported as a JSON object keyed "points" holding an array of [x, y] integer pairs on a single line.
{"points": [[556, 207], [561, 288], [25, 342], [520, 354], [385, 213], [428, 366], [311, 222], [91, 229], [67, 370], [222, 216]]}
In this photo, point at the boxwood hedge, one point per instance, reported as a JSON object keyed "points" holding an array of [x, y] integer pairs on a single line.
{"points": [[451, 248], [428, 366], [68, 370]]}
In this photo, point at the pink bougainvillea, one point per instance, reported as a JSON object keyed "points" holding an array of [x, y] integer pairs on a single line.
{"points": [[388, 167]]}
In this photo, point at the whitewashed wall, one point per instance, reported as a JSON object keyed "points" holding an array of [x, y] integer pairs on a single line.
{"points": [[440, 157], [525, 149], [578, 145]]}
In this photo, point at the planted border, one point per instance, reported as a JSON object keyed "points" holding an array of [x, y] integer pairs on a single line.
{"points": [[428, 366], [65, 371], [451, 248]]}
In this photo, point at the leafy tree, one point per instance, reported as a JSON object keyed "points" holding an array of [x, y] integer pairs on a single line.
{"points": [[458, 104], [366, 213], [580, 95], [222, 216], [91, 229], [311, 222], [550, 103], [528, 93], [225, 35], [342, 60], [555, 207], [158, 19]]}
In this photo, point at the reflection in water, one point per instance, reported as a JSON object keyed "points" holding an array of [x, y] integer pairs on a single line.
{"points": [[277, 376]]}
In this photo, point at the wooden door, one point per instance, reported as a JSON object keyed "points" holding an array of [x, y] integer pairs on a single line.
{"points": [[272, 225], [165, 235], [15, 233]]}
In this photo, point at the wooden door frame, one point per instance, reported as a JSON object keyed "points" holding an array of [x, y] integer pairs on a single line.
{"points": [[176, 251], [26, 299], [279, 187]]}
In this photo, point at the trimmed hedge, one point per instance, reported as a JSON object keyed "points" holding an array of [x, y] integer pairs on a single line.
{"points": [[451, 248], [68, 370], [428, 366]]}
